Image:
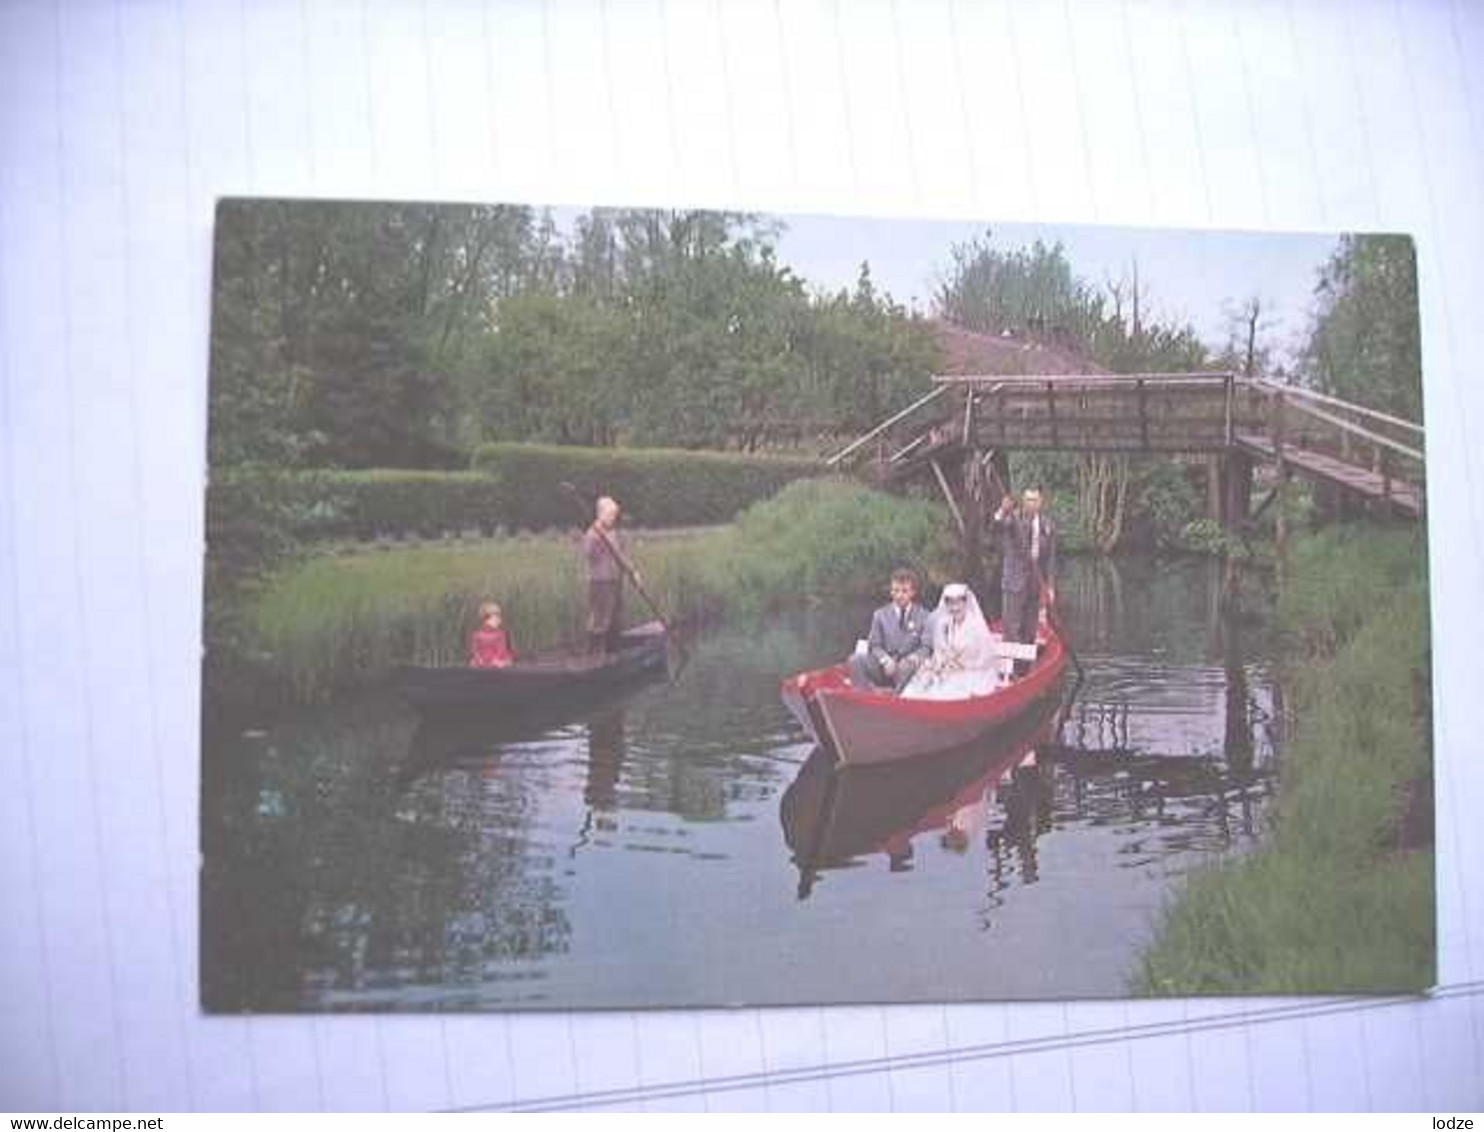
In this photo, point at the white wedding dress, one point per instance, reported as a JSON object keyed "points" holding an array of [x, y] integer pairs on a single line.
{"points": [[964, 661]]}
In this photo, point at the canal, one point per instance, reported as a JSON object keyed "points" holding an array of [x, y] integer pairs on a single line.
{"points": [[682, 846]]}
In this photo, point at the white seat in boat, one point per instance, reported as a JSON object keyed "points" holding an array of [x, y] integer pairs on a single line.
{"points": [[1007, 653]]}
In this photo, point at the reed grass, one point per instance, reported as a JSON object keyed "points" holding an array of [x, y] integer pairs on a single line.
{"points": [[1339, 898], [337, 621]]}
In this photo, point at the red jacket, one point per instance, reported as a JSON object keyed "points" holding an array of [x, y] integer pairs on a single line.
{"points": [[490, 648]]}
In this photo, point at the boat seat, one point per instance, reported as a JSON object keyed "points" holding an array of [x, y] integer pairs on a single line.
{"points": [[1007, 653]]}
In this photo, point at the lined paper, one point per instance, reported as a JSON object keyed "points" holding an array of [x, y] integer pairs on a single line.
{"points": [[120, 125]]}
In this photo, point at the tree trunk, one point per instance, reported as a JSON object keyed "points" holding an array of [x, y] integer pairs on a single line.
{"points": [[1102, 495]]}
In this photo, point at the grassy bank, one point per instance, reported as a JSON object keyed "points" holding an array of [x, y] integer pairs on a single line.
{"points": [[1340, 896], [337, 621]]}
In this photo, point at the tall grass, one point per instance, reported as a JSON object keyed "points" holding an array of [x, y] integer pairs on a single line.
{"points": [[1340, 896], [338, 621]]}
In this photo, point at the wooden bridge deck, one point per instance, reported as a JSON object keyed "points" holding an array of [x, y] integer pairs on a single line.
{"points": [[1404, 496]]}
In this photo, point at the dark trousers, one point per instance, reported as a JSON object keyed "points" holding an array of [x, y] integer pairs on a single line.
{"points": [[1020, 613], [604, 614]]}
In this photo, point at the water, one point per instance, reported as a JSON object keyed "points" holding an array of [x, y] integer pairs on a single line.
{"points": [[681, 847]]}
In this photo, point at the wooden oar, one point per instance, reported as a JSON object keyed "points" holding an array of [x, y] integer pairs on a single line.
{"points": [[628, 569]]}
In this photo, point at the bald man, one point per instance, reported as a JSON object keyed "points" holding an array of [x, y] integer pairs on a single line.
{"points": [[607, 561]]}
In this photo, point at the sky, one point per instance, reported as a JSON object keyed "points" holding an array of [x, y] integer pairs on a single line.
{"points": [[1186, 275]]}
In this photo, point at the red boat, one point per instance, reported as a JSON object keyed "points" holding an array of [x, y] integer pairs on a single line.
{"points": [[865, 726]]}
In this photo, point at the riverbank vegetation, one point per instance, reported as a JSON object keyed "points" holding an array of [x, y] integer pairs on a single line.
{"points": [[1340, 895], [337, 621]]}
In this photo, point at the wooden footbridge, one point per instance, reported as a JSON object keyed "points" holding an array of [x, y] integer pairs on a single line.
{"points": [[961, 431]]}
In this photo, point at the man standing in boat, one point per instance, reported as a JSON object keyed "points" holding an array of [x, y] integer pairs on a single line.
{"points": [[1029, 542], [607, 562]]}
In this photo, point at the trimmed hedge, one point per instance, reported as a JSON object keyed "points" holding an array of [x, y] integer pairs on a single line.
{"points": [[514, 486], [658, 487], [365, 504]]}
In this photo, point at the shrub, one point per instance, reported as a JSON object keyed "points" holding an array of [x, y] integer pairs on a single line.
{"points": [[1169, 501], [658, 487], [825, 538]]}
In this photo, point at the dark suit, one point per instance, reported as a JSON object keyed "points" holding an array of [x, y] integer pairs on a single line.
{"points": [[902, 636], [1029, 557]]}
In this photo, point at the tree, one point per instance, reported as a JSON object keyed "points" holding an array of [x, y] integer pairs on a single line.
{"points": [[1030, 290], [1247, 351], [1364, 338]]}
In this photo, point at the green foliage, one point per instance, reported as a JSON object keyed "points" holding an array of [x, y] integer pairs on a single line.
{"points": [[1365, 342], [549, 371], [403, 335], [252, 516], [337, 325], [1207, 536], [658, 487], [376, 502], [1168, 500], [824, 538], [1341, 577], [1340, 896], [1028, 289], [338, 621]]}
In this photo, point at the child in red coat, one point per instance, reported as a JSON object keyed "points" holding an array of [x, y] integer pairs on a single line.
{"points": [[489, 645]]}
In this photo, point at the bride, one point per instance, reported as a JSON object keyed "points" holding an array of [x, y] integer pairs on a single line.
{"points": [[963, 659]]}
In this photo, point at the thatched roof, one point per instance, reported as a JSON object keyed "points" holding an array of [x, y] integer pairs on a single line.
{"points": [[971, 352]]}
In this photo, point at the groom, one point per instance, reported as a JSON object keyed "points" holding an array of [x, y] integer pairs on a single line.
{"points": [[899, 640]]}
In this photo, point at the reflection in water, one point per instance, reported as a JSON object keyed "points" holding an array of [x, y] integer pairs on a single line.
{"points": [[605, 752], [833, 815], [357, 857]]}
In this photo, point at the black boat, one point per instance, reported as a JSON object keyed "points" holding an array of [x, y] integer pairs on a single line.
{"points": [[559, 674]]}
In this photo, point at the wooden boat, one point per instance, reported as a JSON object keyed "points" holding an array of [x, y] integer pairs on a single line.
{"points": [[862, 726], [567, 674]]}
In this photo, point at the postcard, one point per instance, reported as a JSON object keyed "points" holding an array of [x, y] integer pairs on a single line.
{"points": [[643, 608]]}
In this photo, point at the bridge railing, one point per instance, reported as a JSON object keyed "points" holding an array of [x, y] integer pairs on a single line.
{"points": [[1386, 446], [1135, 412], [882, 433]]}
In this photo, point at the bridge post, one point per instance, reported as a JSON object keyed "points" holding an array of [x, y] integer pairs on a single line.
{"points": [[1236, 494], [1215, 504], [1280, 523], [974, 504], [1000, 464], [1385, 481], [1236, 505]]}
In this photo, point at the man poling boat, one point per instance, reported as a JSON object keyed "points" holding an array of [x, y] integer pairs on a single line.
{"points": [[566, 675]]}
